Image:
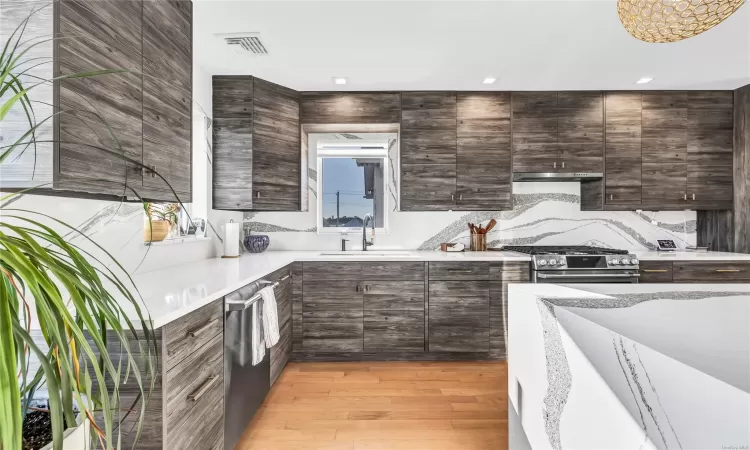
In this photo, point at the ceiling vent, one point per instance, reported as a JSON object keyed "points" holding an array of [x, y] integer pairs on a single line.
{"points": [[249, 42]]}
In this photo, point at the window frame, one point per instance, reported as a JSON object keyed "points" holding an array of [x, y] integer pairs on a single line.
{"points": [[348, 152]]}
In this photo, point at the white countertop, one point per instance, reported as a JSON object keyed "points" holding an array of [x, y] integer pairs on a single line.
{"points": [[170, 293]]}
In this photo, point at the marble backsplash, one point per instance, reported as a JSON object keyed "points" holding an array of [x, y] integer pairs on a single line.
{"points": [[544, 214]]}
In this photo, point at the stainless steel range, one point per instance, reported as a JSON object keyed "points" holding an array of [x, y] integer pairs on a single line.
{"points": [[579, 264]]}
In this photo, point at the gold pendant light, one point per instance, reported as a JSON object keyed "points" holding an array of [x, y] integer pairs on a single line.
{"points": [[673, 20]]}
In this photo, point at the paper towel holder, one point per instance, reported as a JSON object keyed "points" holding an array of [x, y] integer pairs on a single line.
{"points": [[238, 252]]}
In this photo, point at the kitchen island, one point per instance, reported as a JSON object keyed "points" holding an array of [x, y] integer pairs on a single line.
{"points": [[631, 365]]}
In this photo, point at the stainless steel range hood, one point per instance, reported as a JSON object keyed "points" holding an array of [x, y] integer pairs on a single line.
{"points": [[556, 176]]}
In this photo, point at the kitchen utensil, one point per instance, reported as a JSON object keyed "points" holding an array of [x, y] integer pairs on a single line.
{"points": [[491, 225]]}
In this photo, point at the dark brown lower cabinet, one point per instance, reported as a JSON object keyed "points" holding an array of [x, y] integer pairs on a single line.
{"points": [[694, 271], [501, 275], [711, 272], [655, 272], [332, 313], [393, 316], [281, 352], [459, 316]]}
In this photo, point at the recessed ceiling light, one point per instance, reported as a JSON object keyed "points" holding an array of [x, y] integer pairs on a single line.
{"points": [[645, 80], [489, 80], [340, 80]]}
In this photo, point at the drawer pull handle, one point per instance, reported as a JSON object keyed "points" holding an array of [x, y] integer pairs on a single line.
{"points": [[727, 270], [201, 329], [460, 271], [283, 278], [656, 270], [203, 388]]}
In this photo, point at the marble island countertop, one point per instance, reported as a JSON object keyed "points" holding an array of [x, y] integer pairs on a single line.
{"points": [[631, 365], [170, 293]]}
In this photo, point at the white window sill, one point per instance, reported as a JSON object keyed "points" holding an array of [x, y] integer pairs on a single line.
{"points": [[179, 240]]}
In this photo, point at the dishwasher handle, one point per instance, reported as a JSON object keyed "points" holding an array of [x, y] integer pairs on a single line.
{"points": [[239, 300]]}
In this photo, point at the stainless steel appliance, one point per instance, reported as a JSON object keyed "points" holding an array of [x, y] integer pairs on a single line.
{"points": [[579, 264], [245, 385], [556, 176]]}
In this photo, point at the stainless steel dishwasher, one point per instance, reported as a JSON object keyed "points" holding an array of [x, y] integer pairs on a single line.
{"points": [[245, 385]]}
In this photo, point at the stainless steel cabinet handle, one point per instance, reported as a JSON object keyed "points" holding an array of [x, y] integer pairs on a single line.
{"points": [[461, 197], [452, 197], [257, 194], [684, 196], [201, 329], [611, 196], [693, 196], [554, 165], [460, 271], [203, 388], [367, 288], [563, 164], [590, 275], [727, 270]]}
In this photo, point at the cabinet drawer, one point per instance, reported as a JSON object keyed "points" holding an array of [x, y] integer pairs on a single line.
{"points": [[314, 271], [712, 272], [386, 331], [186, 335], [459, 271], [194, 412], [393, 270], [393, 295], [655, 272]]}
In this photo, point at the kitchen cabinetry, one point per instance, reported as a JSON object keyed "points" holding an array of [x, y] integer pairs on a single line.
{"points": [[186, 406], [332, 308], [428, 151], [483, 154], [558, 132], [694, 271], [501, 275], [459, 311], [256, 140], [281, 352], [668, 150], [350, 107], [143, 115]]}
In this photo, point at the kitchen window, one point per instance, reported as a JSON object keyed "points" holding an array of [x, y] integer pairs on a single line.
{"points": [[351, 183]]}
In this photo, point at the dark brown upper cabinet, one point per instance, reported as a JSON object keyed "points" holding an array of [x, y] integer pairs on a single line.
{"points": [[535, 132], [668, 150], [257, 156], [428, 151], [350, 107], [623, 160], [558, 132], [109, 125], [483, 162], [580, 132]]}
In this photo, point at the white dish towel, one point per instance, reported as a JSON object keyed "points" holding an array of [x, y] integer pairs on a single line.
{"points": [[270, 316], [258, 345]]}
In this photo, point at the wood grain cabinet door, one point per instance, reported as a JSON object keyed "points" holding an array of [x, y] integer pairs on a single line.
{"points": [[96, 36], [655, 272], [281, 352], [167, 97], [459, 314], [580, 132], [393, 316], [276, 148], [535, 132], [622, 178], [483, 163], [709, 150], [664, 149], [711, 272], [428, 151]]}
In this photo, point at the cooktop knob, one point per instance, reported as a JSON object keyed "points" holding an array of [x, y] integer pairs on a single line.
{"points": [[633, 260], [552, 262], [542, 262], [614, 262]]}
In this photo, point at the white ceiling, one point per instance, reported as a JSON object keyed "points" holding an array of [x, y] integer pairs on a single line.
{"points": [[453, 45]]}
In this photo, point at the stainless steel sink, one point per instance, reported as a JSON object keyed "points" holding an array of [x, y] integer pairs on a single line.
{"points": [[369, 254]]}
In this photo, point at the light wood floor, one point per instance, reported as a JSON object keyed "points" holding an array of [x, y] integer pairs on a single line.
{"points": [[384, 406]]}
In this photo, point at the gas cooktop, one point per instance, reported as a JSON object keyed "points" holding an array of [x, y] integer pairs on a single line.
{"points": [[564, 250]]}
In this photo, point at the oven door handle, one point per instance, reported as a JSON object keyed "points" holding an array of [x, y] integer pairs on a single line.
{"points": [[590, 275]]}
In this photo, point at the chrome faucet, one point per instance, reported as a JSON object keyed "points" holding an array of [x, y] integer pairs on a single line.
{"points": [[365, 243]]}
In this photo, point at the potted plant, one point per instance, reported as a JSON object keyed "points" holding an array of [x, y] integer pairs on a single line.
{"points": [[161, 219], [61, 306]]}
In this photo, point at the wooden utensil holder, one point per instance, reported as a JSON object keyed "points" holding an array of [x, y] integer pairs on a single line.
{"points": [[478, 243]]}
